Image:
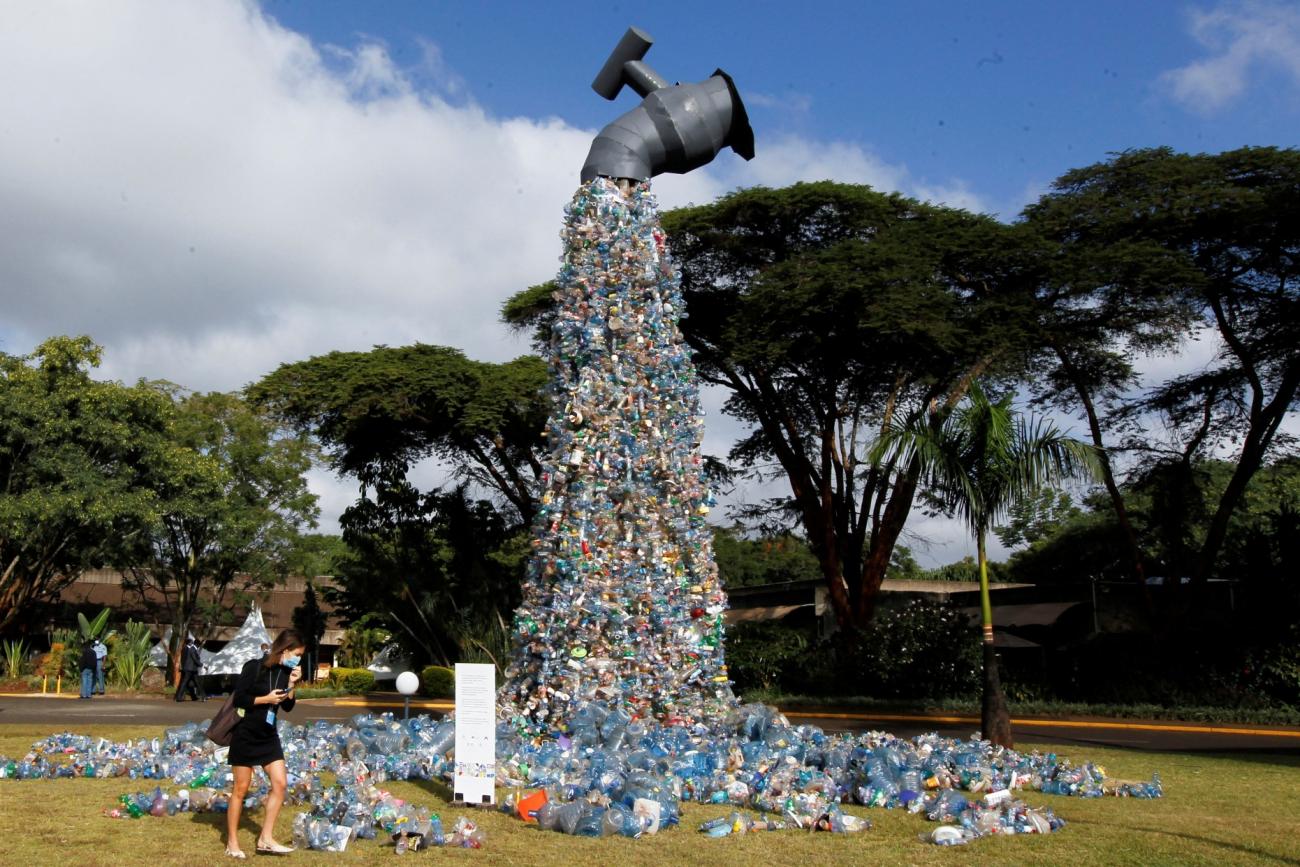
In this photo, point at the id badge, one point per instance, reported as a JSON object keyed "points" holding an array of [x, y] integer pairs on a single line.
{"points": [[270, 717]]}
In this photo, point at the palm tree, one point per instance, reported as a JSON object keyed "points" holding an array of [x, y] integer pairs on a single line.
{"points": [[979, 462]]}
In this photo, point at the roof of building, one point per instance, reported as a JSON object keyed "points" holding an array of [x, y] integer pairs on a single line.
{"points": [[104, 588], [1031, 614]]}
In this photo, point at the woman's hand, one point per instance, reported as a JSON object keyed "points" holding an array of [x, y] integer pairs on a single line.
{"points": [[295, 675], [272, 697]]}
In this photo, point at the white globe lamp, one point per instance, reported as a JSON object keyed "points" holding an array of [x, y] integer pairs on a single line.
{"points": [[407, 684]]}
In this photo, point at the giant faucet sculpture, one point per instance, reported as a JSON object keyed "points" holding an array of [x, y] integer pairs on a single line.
{"points": [[675, 128], [622, 611]]}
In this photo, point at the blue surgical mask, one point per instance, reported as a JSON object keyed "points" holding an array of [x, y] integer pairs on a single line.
{"points": [[291, 661]]}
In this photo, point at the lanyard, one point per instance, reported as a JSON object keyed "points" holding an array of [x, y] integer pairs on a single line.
{"points": [[270, 685]]}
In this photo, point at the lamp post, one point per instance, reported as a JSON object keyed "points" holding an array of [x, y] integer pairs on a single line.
{"points": [[407, 683]]}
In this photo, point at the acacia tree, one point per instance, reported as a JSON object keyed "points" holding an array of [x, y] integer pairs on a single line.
{"points": [[77, 462], [1215, 240], [827, 311], [230, 507], [378, 413], [981, 462]]}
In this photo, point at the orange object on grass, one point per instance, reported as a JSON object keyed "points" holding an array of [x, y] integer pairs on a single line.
{"points": [[528, 805]]}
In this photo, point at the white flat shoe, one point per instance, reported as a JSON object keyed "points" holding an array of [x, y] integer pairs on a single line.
{"points": [[273, 849], [235, 853]]}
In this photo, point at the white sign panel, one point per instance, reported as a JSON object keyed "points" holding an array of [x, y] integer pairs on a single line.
{"points": [[476, 733]]}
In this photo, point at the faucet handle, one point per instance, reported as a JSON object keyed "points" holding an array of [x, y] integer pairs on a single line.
{"points": [[624, 66]]}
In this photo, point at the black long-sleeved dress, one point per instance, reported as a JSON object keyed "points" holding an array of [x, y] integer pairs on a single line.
{"points": [[255, 742]]}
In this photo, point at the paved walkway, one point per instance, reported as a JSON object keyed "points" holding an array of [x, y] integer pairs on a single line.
{"points": [[69, 712]]}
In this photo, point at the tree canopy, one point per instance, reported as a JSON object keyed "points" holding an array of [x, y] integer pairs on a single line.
{"points": [[1152, 247], [378, 413], [746, 560], [78, 459]]}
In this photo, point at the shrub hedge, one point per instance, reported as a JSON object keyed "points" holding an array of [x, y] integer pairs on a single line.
{"points": [[438, 681], [352, 680]]}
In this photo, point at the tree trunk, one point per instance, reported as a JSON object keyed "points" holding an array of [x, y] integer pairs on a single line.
{"points": [[185, 593], [1108, 479], [180, 628], [1259, 436], [882, 545], [995, 720]]}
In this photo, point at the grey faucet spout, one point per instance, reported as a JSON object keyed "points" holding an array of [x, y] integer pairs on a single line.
{"points": [[675, 128]]}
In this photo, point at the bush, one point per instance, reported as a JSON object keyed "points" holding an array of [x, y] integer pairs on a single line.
{"points": [[920, 649], [361, 644], [437, 681], [70, 641], [318, 692], [52, 663], [128, 655], [1275, 671], [15, 659], [764, 655], [352, 680]]}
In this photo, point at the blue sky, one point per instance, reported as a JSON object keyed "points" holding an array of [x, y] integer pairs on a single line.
{"points": [[210, 188], [1001, 96]]}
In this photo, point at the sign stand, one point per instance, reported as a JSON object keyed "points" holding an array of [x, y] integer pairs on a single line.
{"points": [[476, 734]]}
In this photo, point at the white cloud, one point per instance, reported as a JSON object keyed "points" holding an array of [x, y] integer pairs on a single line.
{"points": [[791, 103], [1242, 39], [209, 194], [956, 194], [784, 160]]}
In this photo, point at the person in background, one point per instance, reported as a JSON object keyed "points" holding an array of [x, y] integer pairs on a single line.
{"points": [[264, 689], [101, 653], [86, 662], [191, 664]]}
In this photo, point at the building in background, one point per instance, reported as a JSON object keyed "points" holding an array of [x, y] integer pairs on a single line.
{"points": [[100, 588]]}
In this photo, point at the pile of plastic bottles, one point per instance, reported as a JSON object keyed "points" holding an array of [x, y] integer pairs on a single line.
{"points": [[755, 758], [359, 753], [834, 820], [630, 805], [622, 601], [595, 778], [354, 808], [184, 761], [200, 800], [996, 813]]}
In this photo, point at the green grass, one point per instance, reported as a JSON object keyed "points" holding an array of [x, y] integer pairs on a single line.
{"points": [[1219, 809]]}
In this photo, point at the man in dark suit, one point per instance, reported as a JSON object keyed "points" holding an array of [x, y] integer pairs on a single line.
{"points": [[191, 664]]}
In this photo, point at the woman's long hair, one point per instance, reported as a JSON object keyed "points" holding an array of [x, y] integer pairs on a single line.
{"points": [[286, 639]]}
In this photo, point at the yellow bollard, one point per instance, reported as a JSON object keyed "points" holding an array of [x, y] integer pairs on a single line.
{"points": [[45, 683], [58, 685]]}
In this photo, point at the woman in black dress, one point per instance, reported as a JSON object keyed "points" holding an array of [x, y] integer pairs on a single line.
{"points": [[264, 689]]}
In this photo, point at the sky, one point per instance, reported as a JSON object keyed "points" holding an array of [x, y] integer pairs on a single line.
{"points": [[211, 188]]}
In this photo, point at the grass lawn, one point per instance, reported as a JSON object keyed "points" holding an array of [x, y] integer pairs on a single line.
{"points": [[1218, 809]]}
